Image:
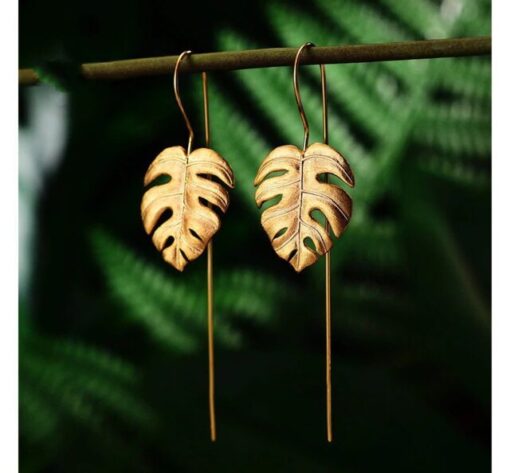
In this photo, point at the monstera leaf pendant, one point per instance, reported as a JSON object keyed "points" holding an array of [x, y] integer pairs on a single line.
{"points": [[198, 186], [297, 178]]}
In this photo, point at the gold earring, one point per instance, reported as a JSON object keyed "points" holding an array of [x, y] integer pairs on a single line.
{"points": [[183, 237], [199, 184], [299, 178]]}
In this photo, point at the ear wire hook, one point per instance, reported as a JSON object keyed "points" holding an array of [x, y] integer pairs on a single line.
{"points": [[178, 99], [297, 94]]}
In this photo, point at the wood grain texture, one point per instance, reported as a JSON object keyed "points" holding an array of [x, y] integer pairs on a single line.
{"points": [[294, 175], [196, 182]]}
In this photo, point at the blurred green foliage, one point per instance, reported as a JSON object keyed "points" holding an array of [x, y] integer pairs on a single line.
{"points": [[113, 369], [149, 295]]}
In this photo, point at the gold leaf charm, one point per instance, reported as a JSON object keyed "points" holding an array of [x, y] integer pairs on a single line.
{"points": [[295, 234], [197, 182]]}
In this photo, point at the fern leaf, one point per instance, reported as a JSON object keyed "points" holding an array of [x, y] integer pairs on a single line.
{"points": [[364, 24], [62, 380], [373, 245], [166, 307], [272, 90], [455, 171], [463, 112], [469, 78], [456, 139], [236, 138], [423, 18], [376, 313], [363, 106], [161, 305]]}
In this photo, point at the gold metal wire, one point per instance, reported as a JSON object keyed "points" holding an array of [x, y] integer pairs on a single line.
{"points": [[327, 275], [210, 289], [178, 99], [297, 94]]}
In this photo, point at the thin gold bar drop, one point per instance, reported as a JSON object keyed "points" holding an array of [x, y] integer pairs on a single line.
{"points": [[210, 291], [328, 347], [327, 275]]}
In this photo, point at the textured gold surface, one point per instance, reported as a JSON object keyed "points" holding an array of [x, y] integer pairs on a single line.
{"points": [[289, 223], [185, 234]]}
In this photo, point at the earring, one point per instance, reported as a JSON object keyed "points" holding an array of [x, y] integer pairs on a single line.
{"points": [[183, 237], [199, 183], [299, 178]]}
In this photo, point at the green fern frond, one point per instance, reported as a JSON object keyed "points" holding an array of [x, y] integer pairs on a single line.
{"points": [[373, 245], [455, 140], [166, 308], [363, 24], [455, 171], [87, 358], [396, 131], [477, 25], [173, 312], [364, 296], [250, 293], [361, 100], [422, 16], [395, 119], [464, 112], [470, 78], [268, 88], [63, 380], [274, 97], [236, 140], [375, 313], [476, 19]]}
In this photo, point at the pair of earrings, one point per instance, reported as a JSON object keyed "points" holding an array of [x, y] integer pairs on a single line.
{"points": [[198, 192]]}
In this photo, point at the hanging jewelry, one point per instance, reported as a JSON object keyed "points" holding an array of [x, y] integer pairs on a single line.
{"points": [[198, 187], [299, 179]]}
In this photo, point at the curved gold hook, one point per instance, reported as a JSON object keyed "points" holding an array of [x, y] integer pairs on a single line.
{"points": [[297, 94], [178, 99]]}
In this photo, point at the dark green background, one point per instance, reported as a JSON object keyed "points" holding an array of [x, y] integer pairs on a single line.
{"points": [[113, 362]]}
